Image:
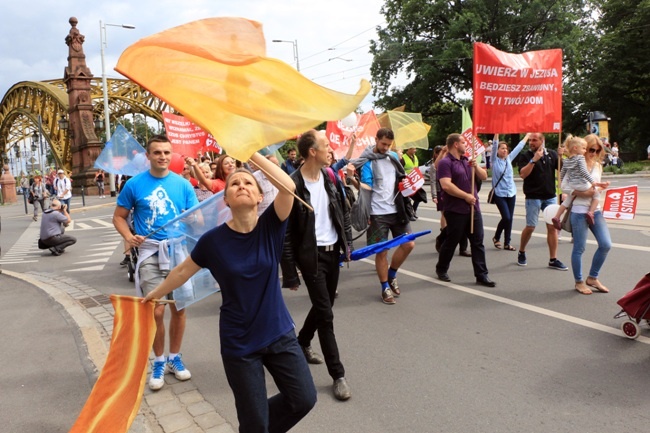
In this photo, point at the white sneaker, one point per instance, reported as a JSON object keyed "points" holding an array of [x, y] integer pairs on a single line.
{"points": [[177, 367], [157, 379]]}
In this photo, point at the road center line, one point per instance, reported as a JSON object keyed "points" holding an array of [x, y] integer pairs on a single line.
{"points": [[542, 234], [517, 304]]}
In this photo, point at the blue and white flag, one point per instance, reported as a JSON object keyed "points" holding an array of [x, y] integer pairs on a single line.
{"points": [[183, 233], [123, 155]]}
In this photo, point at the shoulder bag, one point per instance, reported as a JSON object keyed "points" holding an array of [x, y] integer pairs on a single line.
{"points": [[490, 197]]}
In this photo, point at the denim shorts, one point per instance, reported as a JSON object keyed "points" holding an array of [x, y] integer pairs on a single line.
{"points": [[533, 206]]}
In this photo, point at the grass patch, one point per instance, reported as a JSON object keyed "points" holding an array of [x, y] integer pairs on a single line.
{"points": [[628, 168]]}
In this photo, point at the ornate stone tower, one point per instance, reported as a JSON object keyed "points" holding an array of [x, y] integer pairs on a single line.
{"points": [[85, 145]]}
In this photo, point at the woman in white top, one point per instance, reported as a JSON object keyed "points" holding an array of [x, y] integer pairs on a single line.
{"points": [[580, 227]]}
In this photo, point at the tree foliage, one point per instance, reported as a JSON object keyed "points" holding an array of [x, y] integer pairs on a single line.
{"points": [[431, 42], [621, 72]]}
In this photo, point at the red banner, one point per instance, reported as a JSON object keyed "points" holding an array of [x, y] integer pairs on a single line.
{"points": [[517, 93], [187, 138], [479, 147], [338, 134], [620, 203], [412, 182]]}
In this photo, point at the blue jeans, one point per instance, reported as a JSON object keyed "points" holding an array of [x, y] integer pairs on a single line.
{"points": [[287, 365], [66, 202], [601, 233], [506, 206]]}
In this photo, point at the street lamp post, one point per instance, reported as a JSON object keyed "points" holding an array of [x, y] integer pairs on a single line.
{"points": [[295, 51], [107, 121], [35, 139]]}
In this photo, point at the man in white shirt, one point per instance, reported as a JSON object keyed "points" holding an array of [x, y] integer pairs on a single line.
{"points": [[63, 188], [314, 243], [382, 172]]}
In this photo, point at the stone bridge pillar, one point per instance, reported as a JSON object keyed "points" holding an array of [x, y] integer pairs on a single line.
{"points": [[85, 145]]}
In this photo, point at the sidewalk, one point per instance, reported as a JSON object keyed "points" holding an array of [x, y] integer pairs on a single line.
{"points": [[17, 210], [58, 345]]}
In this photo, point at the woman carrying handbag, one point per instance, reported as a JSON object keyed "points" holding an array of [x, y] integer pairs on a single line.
{"points": [[505, 191], [39, 194]]}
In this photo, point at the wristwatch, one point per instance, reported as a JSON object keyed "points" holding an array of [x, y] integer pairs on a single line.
{"points": [[532, 161]]}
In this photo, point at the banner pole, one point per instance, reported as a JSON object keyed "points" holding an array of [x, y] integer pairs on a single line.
{"points": [[270, 176], [471, 221], [559, 160]]}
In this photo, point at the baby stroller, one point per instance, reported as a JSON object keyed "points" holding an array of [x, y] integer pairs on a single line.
{"points": [[130, 265], [133, 252], [636, 306]]}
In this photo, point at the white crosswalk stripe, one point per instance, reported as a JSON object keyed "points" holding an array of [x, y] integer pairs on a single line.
{"points": [[96, 256]]}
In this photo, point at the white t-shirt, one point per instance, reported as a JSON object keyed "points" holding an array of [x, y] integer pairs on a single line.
{"points": [[383, 197], [581, 204], [325, 231], [63, 188]]}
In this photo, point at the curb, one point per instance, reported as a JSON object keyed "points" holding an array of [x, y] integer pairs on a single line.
{"points": [[178, 408], [73, 211]]}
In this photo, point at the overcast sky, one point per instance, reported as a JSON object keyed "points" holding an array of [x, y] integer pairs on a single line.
{"points": [[32, 34]]}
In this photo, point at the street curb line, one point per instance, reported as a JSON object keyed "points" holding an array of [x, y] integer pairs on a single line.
{"points": [[95, 342], [95, 324]]}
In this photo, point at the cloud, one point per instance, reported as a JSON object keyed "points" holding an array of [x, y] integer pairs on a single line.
{"points": [[32, 39]]}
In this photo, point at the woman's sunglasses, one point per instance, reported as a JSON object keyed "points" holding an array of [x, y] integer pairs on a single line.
{"points": [[594, 150]]}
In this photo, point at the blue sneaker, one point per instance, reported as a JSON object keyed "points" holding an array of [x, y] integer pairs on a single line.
{"points": [[557, 265], [157, 379], [177, 367], [521, 259]]}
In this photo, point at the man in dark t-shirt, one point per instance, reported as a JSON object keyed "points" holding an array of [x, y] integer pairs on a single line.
{"points": [[458, 198], [537, 167]]}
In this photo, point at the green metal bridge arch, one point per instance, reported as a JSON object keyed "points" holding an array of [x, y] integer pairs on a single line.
{"points": [[25, 101]]}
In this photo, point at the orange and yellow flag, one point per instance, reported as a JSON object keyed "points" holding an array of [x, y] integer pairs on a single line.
{"points": [[115, 399], [216, 73]]}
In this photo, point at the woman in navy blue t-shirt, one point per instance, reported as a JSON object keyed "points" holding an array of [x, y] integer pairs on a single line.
{"points": [[255, 327]]}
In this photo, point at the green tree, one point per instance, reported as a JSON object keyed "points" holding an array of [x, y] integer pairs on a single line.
{"points": [[431, 41], [621, 72], [138, 127]]}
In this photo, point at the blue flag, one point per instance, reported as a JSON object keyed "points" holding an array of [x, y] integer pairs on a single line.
{"points": [[123, 155], [183, 233]]}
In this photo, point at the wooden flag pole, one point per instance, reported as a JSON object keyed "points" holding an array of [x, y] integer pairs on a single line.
{"points": [[471, 219], [559, 167], [286, 189], [164, 301]]}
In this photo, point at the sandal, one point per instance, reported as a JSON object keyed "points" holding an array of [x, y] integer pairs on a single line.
{"points": [[582, 288], [497, 244], [595, 284], [509, 248]]}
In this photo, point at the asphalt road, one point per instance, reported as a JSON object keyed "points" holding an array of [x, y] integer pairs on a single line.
{"points": [[530, 355]]}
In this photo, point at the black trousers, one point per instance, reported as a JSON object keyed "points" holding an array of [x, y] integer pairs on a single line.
{"points": [[60, 242], [322, 288], [458, 225]]}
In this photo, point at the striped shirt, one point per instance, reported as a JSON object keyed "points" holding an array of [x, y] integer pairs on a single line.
{"points": [[578, 177]]}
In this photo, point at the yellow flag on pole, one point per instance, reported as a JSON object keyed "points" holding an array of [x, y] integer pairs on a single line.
{"points": [[216, 73]]}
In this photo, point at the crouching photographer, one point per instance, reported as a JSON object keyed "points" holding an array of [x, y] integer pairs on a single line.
{"points": [[52, 226]]}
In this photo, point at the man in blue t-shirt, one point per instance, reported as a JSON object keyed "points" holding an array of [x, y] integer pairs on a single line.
{"points": [[156, 196]]}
